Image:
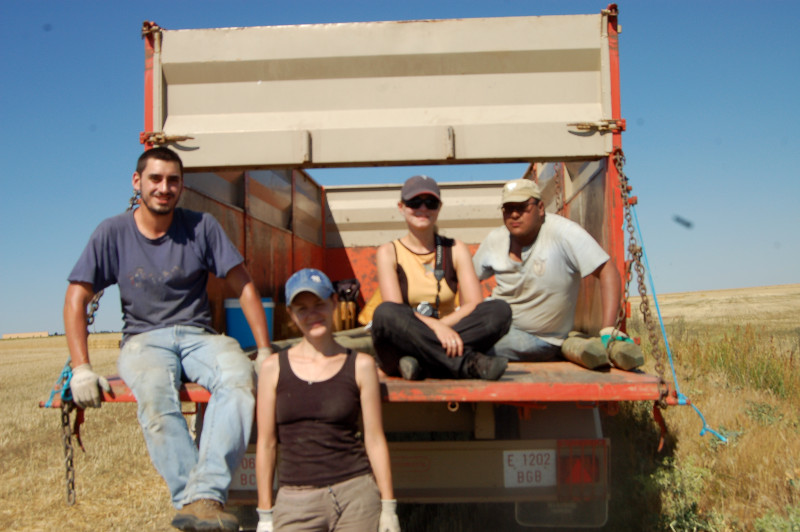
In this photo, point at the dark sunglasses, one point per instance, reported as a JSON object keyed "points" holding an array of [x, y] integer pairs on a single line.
{"points": [[429, 201], [519, 208]]}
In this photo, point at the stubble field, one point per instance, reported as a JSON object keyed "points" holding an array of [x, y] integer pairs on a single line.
{"points": [[737, 358]]}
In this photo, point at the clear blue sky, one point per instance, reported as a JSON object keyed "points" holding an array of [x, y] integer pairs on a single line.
{"points": [[709, 91]]}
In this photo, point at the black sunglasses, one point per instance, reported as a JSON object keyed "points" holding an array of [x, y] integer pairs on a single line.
{"points": [[430, 202], [519, 208]]}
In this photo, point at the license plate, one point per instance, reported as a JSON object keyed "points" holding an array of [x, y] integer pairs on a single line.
{"points": [[244, 478], [527, 469]]}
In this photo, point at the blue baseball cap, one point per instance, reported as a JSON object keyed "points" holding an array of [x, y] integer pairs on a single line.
{"points": [[308, 280]]}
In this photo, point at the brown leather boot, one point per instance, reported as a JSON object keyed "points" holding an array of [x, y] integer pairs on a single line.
{"points": [[205, 515]]}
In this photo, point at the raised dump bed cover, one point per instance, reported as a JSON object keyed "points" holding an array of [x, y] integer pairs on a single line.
{"points": [[429, 91]]}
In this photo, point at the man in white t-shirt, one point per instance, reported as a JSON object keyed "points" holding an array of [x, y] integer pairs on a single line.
{"points": [[538, 261]]}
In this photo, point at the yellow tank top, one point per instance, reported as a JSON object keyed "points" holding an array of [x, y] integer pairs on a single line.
{"points": [[417, 280]]}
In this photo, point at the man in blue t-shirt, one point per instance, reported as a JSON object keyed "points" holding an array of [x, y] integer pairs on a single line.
{"points": [[160, 256]]}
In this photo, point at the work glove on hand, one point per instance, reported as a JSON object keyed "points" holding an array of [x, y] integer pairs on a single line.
{"points": [[84, 385], [388, 521], [610, 334], [263, 354], [264, 520]]}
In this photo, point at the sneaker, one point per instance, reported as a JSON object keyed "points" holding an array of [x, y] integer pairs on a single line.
{"points": [[480, 366], [205, 515], [410, 369]]}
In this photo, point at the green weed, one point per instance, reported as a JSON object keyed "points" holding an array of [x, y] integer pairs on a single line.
{"points": [[772, 521], [680, 489]]}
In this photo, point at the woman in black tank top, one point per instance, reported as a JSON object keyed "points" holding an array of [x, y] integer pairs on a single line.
{"points": [[309, 400]]}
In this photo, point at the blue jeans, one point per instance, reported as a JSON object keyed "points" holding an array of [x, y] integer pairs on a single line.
{"points": [[521, 346], [153, 364]]}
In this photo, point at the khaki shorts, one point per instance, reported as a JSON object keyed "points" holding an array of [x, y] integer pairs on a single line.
{"points": [[353, 505]]}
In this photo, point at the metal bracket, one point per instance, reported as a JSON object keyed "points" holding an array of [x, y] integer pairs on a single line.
{"points": [[149, 27], [601, 125], [159, 138]]}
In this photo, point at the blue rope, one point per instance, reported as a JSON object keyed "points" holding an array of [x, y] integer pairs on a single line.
{"points": [[63, 383], [682, 399]]}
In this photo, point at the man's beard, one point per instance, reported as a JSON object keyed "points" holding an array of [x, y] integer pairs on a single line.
{"points": [[155, 208]]}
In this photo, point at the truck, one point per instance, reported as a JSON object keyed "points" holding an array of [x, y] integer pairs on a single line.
{"points": [[254, 112]]}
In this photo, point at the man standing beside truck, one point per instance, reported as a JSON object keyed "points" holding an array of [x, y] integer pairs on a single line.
{"points": [[160, 256], [538, 261]]}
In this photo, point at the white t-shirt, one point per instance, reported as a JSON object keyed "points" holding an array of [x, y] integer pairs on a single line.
{"points": [[542, 290]]}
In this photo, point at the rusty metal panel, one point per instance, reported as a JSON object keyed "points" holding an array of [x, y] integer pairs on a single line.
{"points": [[267, 252], [368, 215], [224, 186], [307, 208], [269, 197], [464, 90], [307, 254], [230, 218], [353, 263], [282, 268]]}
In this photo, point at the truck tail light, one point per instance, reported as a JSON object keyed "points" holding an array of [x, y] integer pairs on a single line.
{"points": [[578, 469], [582, 469]]}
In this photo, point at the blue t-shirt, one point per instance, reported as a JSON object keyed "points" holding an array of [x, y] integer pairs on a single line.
{"points": [[162, 282]]}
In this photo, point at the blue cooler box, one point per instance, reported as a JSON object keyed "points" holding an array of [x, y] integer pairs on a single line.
{"points": [[236, 324]]}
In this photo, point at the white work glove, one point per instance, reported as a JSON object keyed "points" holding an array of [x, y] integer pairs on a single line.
{"points": [[388, 521], [84, 386], [263, 354], [610, 334], [264, 520]]}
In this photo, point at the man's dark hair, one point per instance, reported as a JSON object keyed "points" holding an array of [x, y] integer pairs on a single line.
{"points": [[162, 154]]}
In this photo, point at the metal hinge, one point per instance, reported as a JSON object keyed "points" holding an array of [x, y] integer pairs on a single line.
{"points": [[601, 125], [160, 138], [610, 10], [149, 27]]}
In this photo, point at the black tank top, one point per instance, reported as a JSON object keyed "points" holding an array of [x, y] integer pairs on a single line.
{"points": [[317, 427]]}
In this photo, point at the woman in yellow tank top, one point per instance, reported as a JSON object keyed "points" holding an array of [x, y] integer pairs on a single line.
{"points": [[418, 330]]}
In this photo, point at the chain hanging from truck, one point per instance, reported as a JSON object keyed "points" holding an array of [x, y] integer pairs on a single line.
{"points": [[62, 385], [635, 262]]}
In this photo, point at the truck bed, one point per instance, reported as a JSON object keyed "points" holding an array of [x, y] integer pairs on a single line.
{"points": [[523, 382]]}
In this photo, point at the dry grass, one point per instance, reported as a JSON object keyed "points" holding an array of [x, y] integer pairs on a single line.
{"points": [[737, 358], [117, 487]]}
